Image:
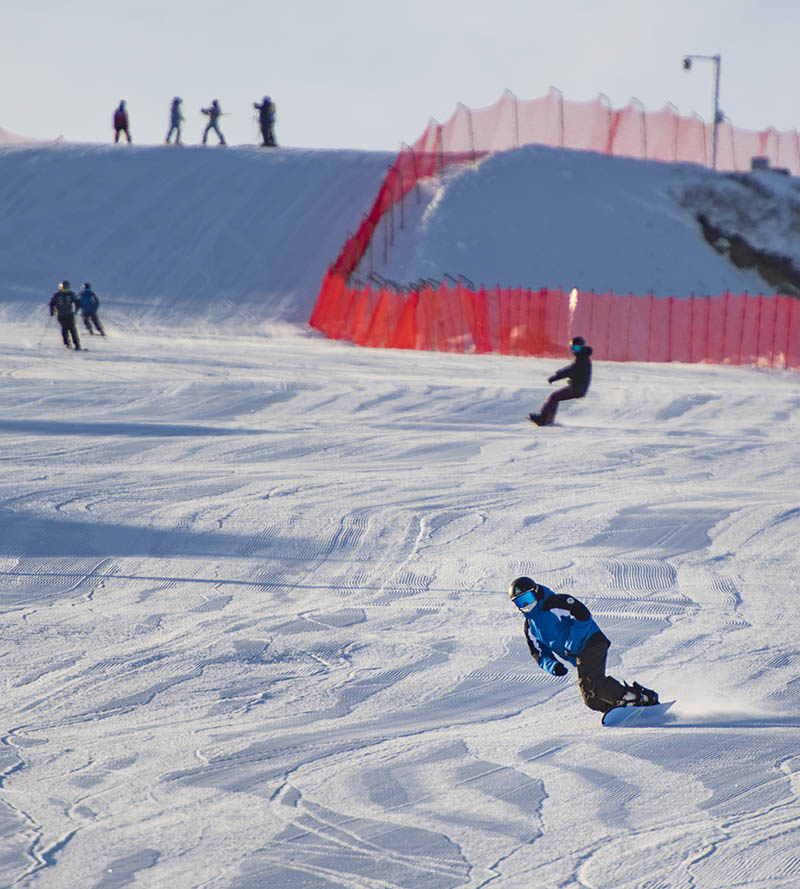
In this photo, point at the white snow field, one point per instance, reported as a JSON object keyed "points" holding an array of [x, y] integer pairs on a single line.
{"points": [[255, 629]]}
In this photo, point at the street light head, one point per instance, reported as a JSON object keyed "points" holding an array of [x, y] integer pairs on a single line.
{"points": [[687, 63]]}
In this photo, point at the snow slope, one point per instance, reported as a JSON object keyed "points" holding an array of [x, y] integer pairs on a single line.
{"points": [[192, 236], [541, 217], [255, 629]]}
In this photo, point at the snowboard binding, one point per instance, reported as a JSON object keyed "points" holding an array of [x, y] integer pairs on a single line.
{"points": [[637, 696]]}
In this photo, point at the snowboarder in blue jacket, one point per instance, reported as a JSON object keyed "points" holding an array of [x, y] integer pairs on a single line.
{"points": [[559, 626], [89, 304]]}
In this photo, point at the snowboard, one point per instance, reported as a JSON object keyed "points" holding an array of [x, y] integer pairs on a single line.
{"points": [[655, 714], [534, 418]]}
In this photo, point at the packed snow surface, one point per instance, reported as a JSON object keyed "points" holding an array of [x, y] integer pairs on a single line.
{"points": [[255, 623]]}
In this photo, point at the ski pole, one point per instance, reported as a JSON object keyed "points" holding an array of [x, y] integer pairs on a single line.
{"points": [[46, 326]]}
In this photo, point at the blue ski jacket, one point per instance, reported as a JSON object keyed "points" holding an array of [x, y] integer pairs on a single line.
{"points": [[88, 301], [557, 625]]}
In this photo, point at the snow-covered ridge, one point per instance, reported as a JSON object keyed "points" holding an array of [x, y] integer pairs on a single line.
{"points": [[185, 236], [544, 217]]}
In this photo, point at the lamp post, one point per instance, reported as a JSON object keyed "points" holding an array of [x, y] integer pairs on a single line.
{"points": [[718, 115]]}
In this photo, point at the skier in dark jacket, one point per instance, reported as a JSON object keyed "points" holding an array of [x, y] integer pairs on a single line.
{"points": [[63, 303], [266, 121], [579, 374], [557, 624], [88, 303], [214, 113], [121, 121]]}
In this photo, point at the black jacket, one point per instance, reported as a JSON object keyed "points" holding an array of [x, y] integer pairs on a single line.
{"points": [[579, 373], [64, 303]]}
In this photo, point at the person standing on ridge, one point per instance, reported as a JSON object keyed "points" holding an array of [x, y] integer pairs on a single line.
{"points": [[121, 121], [63, 302], [579, 374], [214, 113], [89, 304], [560, 625], [176, 118], [266, 121]]}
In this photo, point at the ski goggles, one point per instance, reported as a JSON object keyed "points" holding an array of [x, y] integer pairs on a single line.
{"points": [[575, 349], [526, 601]]}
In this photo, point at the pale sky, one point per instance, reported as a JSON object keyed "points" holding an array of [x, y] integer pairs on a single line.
{"points": [[370, 74]]}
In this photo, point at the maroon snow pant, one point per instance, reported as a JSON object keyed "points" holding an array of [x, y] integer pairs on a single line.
{"points": [[549, 408], [600, 692]]}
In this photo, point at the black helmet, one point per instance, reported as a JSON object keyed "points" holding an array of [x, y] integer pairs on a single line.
{"points": [[577, 341], [87, 285], [522, 585], [64, 285]]}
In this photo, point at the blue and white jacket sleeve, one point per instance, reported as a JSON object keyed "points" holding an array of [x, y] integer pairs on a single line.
{"points": [[540, 652]]}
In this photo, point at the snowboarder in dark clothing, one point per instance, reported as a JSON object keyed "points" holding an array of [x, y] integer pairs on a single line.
{"points": [[579, 374], [266, 121], [176, 118], [121, 121], [214, 113], [63, 303], [557, 624], [88, 303]]}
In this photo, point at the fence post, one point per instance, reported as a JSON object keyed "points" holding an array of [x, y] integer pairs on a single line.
{"points": [[415, 168], [758, 326], [677, 134], [774, 332], [402, 200], [725, 301], [669, 327], [643, 114], [741, 327], [628, 331], [790, 315], [516, 124]]}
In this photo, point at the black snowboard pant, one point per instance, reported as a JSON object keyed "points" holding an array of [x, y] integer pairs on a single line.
{"points": [[600, 692], [68, 330], [549, 408], [90, 318]]}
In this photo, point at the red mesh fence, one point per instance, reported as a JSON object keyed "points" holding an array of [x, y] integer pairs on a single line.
{"points": [[727, 329], [737, 329], [594, 126]]}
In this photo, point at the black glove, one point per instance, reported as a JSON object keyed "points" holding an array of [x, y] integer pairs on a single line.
{"points": [[551, 379], [560, 669]]}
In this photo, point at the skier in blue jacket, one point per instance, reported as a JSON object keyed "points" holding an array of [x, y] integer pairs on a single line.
{"points": [[559, 626], [89, 304]]}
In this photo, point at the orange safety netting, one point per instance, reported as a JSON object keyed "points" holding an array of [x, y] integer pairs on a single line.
{"points": [[521, 322], [727, 329]]}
